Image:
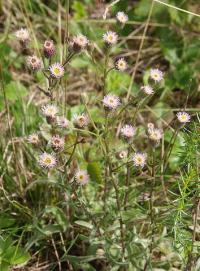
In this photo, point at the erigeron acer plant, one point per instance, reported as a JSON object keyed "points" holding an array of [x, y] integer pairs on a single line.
{"points": [[71, 143]]}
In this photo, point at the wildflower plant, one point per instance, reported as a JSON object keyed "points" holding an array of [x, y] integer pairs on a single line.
{"points": [[102, 184]]}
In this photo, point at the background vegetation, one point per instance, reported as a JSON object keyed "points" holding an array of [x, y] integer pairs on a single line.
{"points": [[46, 223]]}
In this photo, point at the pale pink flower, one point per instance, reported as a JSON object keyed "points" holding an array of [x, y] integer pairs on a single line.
{"points": [[139, 159], [57, 70], [110, 37], [147, 90], [156, 75], [47, 160], [128, 131], [183, 117], [111, 101], [49, 110], [122, 17], [121, 64], [82, 177]]}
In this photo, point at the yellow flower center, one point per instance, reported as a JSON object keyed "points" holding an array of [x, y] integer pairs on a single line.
{"points": [[110, 38], [183, 117], [56, 70], [47, 160], [81, 177], [139, 159]]}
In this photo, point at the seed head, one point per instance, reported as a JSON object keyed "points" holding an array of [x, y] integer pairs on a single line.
{"points": [[183, 117], [156, 75], [155, 134], [57, 143], [34, 63], [121, 64], [110, 38], [139, 159], [62, 122], [82, 177], [33, 139], [57, 70], [49, 48], [79, 43], [80, 121], [49, 110], [111, 101], [22, 35], [47, 160], [122, 17], [147, 90]]}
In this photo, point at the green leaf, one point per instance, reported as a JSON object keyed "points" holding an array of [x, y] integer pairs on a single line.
{"points": [[4, 266], [15, 90], [21, 256], [79, 10], [94, 170], [59, 216], [118, 82], [84, 224], [6, 221], [80, 62]]}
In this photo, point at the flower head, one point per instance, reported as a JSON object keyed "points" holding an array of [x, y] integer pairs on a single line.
{"points": [[121, 64], [155, 134], [49, 110], [47, 160], [183, 117], [147, 90], [49, 48], [122, 17], [128, 131], [139, 159], [156, 75], [34, 63], [111, 101], [57, 143], [57, 70], [81, 120], [110, 37], [33, 139], [62, 122], [22, 35], [79, 43], [82, 177]]}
